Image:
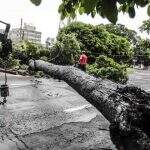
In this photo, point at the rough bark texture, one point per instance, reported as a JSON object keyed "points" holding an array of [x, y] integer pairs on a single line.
{"points": [[126, 107]]}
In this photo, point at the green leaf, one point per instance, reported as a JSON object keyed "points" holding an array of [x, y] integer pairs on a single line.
{"points": [[73, 15], [121, 1], [93, 13], [110, 10], [36, 2], [131, 12], [124, 8], [61, 7], [81, 10], [148, 10], [63, 15], [89, 5], [142, 3]]}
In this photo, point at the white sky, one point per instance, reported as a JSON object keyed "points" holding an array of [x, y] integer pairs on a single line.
{"points": [[46, 18]]}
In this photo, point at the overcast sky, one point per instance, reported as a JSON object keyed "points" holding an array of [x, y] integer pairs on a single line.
{"points": [[46, 18]]}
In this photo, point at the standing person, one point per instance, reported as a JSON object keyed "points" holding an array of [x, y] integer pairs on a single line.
{"points": [[83, 61]]}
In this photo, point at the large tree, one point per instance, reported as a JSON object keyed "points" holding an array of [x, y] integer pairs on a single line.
{"points": [[96, 40], [106, 8]]}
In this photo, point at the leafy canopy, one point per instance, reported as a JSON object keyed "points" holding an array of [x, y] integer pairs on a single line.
{"points": [[96, 40], [142, 51], [123, 31], [25, 50], [66, 50], [145, 26], [106, 8]]}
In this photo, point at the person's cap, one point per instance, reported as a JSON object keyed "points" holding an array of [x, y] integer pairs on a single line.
{"points": [[83, 51]]}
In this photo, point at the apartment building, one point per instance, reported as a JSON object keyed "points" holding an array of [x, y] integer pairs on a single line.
{"points": [[28, 32]]}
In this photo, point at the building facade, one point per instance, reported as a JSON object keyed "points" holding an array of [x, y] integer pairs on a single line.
{"points": [[28, 32]]}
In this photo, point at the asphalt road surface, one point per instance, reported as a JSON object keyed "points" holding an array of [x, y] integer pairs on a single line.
{"points": [[140, 78], [47, 114]]}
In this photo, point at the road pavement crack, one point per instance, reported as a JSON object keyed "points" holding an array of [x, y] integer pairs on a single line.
{"points": [[16, 136]]}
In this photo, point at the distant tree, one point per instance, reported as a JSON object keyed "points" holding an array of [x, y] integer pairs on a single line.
{"points": [[25, 50], [105, 8], [142, 52], [145, 27]]}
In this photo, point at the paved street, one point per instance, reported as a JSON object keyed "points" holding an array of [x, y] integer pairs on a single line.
{"points": [[49, 115], [140, 78]]}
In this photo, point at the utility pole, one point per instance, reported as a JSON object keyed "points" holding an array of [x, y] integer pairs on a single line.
{"points": [[21, 30]]}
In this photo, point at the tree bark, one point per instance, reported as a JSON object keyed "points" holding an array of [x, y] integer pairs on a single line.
{"points": [[127, 108]]}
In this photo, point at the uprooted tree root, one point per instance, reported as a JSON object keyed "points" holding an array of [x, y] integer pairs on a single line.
{"points": [[131, 129], [127, 108]]}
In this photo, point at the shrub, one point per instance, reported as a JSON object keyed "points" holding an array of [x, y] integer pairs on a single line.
{"points": [[107, 68], [10, 63], [26, 50]]}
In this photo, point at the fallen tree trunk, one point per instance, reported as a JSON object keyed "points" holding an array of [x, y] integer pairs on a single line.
{"points": [[127, 108]]}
